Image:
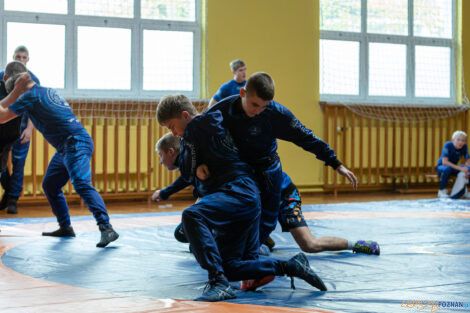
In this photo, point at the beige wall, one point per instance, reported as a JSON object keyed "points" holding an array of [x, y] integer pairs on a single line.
{"points": [[280, 38]]}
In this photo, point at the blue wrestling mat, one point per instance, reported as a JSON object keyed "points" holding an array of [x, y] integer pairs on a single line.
{"points": [[425, 255]]}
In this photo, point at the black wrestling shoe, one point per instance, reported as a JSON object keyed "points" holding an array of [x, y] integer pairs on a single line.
{"points": [[298, 266], [66, 231], [108, 235], [12, 207]]}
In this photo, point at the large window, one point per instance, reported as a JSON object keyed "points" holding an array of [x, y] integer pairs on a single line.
{"points": [[107, 48], [394, 51]]}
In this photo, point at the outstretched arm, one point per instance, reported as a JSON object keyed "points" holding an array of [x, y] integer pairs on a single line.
{"points": [[163, 194], [287, 127], [343, 171]]}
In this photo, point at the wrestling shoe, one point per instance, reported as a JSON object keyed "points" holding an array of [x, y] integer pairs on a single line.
{"points": [[367, 247], [264, 250], [270, 243], [108, 235], [12, 206], [298, 266], [442, 193], [217, 289], [63, 231], [253, 284], [179, 234]]}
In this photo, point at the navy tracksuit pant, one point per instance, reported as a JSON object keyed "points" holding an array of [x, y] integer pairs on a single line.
{"points": [[232, 248], [270, 184], [445, 173], [72, 161]]}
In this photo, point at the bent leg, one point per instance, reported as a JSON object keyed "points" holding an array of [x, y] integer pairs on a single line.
{"points": [[77, 156], [18, 158], [198, 232], [240, 255], [293, 221], [56, 177], [270, 185], [4, 172], [445, 173], [215, 225], [309, 243]]}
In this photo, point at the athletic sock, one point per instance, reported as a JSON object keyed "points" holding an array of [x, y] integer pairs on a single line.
{"points": [[350, 245]]}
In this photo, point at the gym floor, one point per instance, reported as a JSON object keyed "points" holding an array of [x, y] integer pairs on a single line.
{"points": [[424, 241]]}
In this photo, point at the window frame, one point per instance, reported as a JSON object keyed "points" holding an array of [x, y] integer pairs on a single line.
{"points": [[411, 41], [136, 25]]}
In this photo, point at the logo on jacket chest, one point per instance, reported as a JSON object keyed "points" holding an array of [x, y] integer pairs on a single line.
{"points": [[254, 130]]}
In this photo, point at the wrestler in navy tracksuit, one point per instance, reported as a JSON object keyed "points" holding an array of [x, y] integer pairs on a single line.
{"points": [[53, 117], [256, 137], [230, 204]]}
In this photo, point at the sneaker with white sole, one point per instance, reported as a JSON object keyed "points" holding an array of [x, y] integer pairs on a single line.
{"points": [[217, 289], [442, 193]]}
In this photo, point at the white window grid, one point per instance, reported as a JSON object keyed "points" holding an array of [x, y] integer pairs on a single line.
{"points": [[411, 42], [137, 25]]}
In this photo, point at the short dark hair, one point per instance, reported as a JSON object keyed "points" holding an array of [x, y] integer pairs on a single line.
{"points": [[168, 141], [21, 49], [13, 68], [171, 106], [262, 85], [236, 64]]}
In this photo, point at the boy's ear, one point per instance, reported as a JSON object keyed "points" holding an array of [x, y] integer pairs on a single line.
{"points": [[242, 92], [185, 115], [171, 150], [5, 78]]}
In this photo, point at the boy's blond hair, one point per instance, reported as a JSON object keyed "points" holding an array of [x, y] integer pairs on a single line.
{"points": [[171, 106], [166, 142], [459, 133]]}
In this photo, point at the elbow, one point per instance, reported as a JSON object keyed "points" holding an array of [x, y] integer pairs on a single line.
{"points": [[211, 103]]}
